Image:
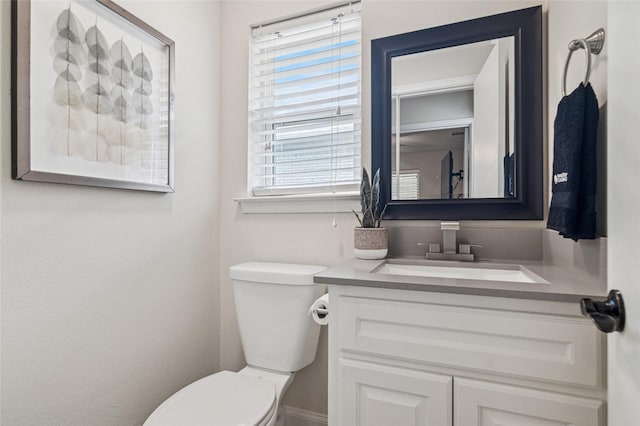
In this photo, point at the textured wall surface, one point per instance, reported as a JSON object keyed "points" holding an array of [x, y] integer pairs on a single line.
{"points": [[110, 297], [309, 238], [113, 300], [301, 238]]}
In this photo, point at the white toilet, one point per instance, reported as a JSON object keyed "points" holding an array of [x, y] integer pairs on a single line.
{"points": [[278, 338]]}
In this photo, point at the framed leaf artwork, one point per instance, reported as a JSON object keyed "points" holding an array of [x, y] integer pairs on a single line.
{"points": [[92, 96]]}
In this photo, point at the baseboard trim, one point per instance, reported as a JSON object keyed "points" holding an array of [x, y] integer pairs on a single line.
{"points": [[295, 416]]}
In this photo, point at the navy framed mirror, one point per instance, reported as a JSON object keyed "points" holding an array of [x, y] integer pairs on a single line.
{"points": [[456, 114]]}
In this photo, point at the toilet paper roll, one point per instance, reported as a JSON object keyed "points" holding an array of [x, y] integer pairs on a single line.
{"points": [[319, 310]]}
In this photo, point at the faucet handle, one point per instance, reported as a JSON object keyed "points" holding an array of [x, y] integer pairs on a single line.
{"points": [[466, 248], [431, 247]]}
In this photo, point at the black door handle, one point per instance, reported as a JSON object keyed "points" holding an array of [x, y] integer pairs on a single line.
{"points": [[608, 315]]}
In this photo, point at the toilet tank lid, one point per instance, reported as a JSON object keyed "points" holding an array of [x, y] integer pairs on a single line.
{"points": [[275, 273]]}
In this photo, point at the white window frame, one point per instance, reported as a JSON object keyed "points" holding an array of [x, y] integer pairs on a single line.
{"points": [[329, 196]]}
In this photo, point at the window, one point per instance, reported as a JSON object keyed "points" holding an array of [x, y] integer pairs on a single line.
{"points": [[304, 105], [406, 186]]}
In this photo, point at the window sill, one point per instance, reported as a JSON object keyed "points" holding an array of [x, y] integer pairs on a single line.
{"points": [[309, 203]]}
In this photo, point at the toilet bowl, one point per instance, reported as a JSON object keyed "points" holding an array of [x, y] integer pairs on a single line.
{"points": [[278, 339]]}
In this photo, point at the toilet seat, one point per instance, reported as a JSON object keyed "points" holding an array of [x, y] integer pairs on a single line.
{"points": [[221, 399]]}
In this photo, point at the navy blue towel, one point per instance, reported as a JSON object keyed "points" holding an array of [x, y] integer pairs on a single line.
{"points": [[572, 211]]}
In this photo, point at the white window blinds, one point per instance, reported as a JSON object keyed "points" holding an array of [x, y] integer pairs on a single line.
{"points": [[407, 185], [304, 105]]}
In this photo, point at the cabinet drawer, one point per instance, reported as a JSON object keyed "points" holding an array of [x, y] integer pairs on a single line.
{"points": [[379, 395], [555, 348], [480, 403]]}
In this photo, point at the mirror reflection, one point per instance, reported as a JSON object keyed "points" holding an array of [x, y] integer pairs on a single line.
{"points": [[455, 109]]}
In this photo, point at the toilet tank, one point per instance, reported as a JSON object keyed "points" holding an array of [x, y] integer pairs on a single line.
{"points": [[272, 305]]}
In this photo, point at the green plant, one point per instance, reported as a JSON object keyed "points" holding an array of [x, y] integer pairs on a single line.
{"points": [[369, 199]]}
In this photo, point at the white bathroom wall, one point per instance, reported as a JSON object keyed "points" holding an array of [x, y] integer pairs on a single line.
{"points": [[297, 238], [110, 297], [485, 147], [309, 238], [435, 107]]}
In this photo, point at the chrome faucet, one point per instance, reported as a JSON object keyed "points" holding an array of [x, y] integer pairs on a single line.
{"points": [[449, 240], [450, 248]]}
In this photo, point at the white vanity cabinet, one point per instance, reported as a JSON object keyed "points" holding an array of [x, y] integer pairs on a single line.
{"points": [[401, 357], [381, 395]]}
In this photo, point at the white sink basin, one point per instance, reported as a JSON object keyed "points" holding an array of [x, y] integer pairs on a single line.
{"points": [[509, 273]]}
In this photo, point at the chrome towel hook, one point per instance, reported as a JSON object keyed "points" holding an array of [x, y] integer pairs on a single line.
{"points": [[592, 44]]}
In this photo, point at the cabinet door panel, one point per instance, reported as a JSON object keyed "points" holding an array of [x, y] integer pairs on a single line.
{"points": [[556, 348], [379, 395], [491, 404]]}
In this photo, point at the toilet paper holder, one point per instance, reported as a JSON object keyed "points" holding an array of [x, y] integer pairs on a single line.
{"points": [[321, 312]]}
